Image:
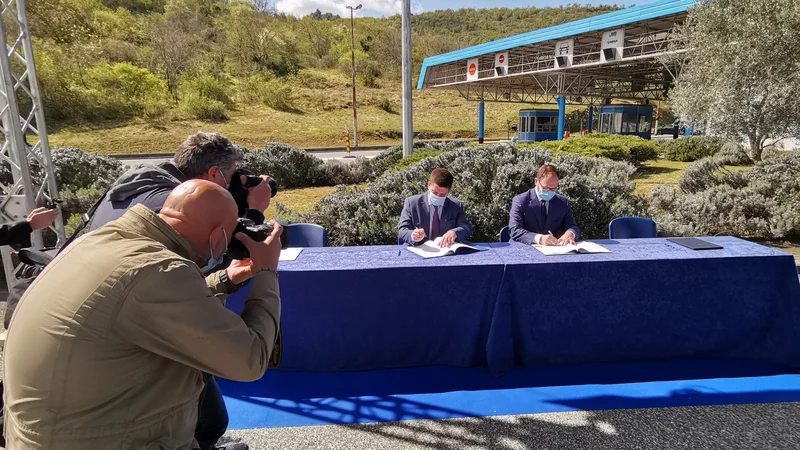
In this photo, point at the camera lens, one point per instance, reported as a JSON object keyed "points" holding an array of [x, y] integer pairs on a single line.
{"points": [[273, 187]]}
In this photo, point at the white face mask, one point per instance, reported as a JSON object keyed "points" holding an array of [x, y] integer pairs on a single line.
{"points": [[435, 199], [214, 262], [227, 185]]}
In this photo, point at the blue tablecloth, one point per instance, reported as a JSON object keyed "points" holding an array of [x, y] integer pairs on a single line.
{"points": [[360, 308], [647, 299]]}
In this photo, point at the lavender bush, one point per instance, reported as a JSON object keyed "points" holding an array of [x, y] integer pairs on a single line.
{"points": [[486, 179]]}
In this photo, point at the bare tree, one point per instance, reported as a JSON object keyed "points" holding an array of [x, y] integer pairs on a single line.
{"points": [[264, 6], [172, 52]]}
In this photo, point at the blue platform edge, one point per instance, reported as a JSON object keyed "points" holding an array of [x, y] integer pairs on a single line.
{"points": [[290, 399]]}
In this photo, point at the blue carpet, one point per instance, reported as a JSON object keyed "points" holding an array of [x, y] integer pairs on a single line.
{"points": [[283, 399]]}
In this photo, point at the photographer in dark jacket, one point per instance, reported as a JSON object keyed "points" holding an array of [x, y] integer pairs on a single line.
{"points": [[206, 156], [18, 234]]}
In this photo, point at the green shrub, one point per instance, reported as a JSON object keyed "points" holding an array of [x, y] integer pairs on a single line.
{"points": [[279, 96], [386, 105], [288, 165], [763, 202], [734, 155], [615, 147], [76, 169], [116, 91], [206, 86], [274, 93], [203, 108], [416, 157], [486, 179], [692, 148]]}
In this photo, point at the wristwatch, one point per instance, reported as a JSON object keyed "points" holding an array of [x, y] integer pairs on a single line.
{"points": [[230, 286]]}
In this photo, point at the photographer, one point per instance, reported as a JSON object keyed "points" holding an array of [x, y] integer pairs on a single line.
{"points": [[203, 156], [18, 234], [109, 347]]}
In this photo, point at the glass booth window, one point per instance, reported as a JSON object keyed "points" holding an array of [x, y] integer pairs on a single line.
{"points": [[629, 123], [605, 123], [644, 123], [546, 124]]}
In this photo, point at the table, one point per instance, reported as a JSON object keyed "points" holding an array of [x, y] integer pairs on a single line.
{"points": [[361, 308], [648, 299]]}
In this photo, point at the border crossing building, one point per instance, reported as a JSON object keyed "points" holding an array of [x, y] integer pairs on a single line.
{"points": [[593, 61]]}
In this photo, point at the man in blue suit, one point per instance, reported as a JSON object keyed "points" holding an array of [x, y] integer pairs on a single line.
{"points": [[540, 216], [433, 214]]}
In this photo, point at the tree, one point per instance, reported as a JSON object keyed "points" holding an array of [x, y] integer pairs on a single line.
{"points": [[741, 69], [172, 51]]}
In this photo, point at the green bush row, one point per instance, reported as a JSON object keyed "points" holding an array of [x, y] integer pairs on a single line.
{"points": [[692, 148], [632, 149]]}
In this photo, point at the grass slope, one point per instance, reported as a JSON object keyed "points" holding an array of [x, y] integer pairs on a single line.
{"points": [[323, 108]]}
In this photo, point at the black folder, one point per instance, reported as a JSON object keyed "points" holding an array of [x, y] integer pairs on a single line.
{"points": [[695, 244]]}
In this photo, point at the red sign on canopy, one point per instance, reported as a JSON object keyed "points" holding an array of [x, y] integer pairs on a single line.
{"points": [[472, 69]]}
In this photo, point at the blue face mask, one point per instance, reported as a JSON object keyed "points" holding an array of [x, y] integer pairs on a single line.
{"points": [[436, 200], [546, 195], [213, 262]]}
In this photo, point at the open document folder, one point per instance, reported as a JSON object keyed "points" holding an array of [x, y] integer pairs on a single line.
{"points": [[580, 247], [431, 249]]}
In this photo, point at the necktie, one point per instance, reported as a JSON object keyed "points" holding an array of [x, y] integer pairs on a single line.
{"points": [[435, 223], [544, 212]]}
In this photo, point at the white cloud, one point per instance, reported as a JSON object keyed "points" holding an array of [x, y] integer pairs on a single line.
{"points": [[299, 8]]}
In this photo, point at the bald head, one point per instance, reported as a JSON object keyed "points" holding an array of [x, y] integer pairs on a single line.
{"points": [[204, 213]]}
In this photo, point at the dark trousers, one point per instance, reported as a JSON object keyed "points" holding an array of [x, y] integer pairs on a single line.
{"points": [[212, 420]]}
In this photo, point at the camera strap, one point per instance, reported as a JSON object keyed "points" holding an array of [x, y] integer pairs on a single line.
{"points": [[85, 219]]}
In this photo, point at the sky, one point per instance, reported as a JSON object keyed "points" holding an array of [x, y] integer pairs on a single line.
{"points": [[383, 8]]}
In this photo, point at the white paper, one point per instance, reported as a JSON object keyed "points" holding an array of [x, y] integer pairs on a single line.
{"points": [[580, 247], [431, 249], [290, 254]]}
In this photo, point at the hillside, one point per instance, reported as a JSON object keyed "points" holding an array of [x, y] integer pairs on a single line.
{"points": [[132, 76]]}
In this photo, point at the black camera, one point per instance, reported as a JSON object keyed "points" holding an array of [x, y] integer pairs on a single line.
{"points": [[239, 190], [258, 233]]}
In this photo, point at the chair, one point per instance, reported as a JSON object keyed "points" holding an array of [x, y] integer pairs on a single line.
{"points": [[505, 234], [306, 235], [631, 227]]}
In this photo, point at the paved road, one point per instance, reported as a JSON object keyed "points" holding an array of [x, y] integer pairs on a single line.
{"points": [[318, 153]]}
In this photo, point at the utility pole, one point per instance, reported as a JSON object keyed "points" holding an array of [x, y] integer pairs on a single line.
{"points": [[408, 122], [353, 60]]}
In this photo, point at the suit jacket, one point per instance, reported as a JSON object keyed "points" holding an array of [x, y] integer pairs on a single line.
{"points": [[526, 220], [417, 214]]}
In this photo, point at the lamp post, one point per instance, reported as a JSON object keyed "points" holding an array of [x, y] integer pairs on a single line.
{"points": [[408, 123], [353, 60]]}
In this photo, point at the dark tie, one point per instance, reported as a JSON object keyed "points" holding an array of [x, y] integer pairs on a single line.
{"points": [[435, 223], [544, 212]]}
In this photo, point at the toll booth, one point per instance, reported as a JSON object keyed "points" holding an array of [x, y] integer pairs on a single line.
{"points": [[538, 125], [633, 120]]}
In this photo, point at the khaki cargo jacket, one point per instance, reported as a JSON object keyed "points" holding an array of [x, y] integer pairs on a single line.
{"points": [[106, 348]]}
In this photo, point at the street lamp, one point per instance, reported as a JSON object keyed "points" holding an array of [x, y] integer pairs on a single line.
{"points": [[353, 60]]}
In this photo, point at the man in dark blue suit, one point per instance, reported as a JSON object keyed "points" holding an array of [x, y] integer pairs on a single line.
{"points": [[433, 214], [540, 216]]}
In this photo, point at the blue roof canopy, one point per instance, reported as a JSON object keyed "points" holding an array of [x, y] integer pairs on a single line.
{"points": [[653, 10]]}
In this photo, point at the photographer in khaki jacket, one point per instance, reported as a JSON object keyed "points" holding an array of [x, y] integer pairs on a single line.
{"points": [[108, 345]]}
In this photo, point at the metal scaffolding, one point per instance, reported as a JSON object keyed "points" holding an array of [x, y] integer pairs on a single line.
{"points": [[25, 149]]}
